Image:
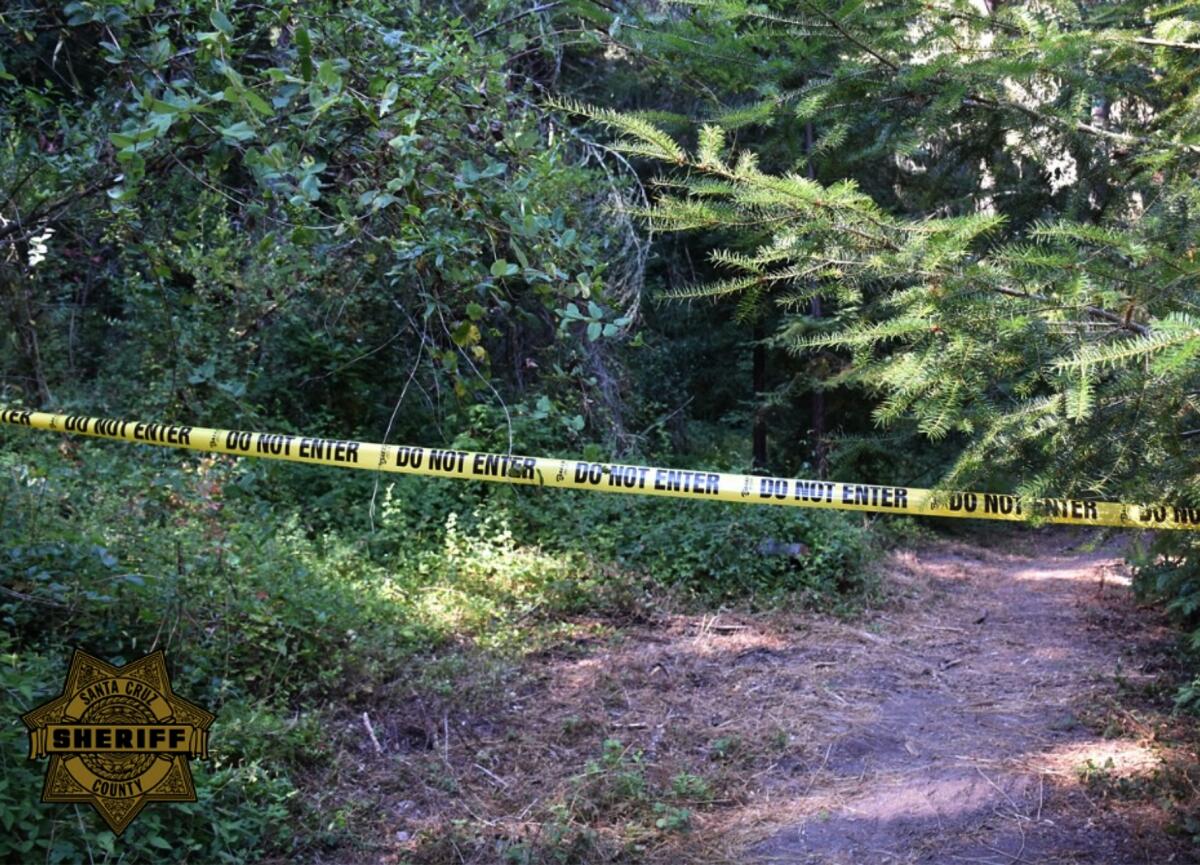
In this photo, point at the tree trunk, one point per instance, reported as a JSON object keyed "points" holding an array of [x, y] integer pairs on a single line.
{"points": [[820, 452], [760, 390]]}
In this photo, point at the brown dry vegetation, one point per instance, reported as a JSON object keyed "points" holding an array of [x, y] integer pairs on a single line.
{"points": [[1001, 704]]}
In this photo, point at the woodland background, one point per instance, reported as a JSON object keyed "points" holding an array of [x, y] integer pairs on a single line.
{"points": [[921, 243]]}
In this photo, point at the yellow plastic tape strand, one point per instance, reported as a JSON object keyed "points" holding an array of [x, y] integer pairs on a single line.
{"points": [[615, 477]]}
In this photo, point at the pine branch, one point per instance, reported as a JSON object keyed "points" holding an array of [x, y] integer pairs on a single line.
{"points": [[850, 37], [1127, 350], [1079, 126], [655, 143], [1096, 311]]}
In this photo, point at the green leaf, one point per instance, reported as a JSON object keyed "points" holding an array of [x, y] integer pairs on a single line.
{"points": [[389, 98], [237, 132], [304, 43], [502, 268], [258, 103], [79, 14], [465, 334], [328, 75], [222, 23], [115, 52], [593, 331]]}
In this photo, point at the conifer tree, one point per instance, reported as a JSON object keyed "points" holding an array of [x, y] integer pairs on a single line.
{"points": [[1009, 253]]}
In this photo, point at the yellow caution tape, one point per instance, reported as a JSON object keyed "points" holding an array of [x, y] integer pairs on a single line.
{"points": [[615, 477]]}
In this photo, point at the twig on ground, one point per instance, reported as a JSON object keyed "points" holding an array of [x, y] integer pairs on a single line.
{"points": [[495, 778], [366, 719], [812, 779]]}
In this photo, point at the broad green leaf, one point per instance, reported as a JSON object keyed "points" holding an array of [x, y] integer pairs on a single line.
{"points": [[328, 75], [389, 98], [221, 22], [465, 334], [238, 132], [258, 103]]}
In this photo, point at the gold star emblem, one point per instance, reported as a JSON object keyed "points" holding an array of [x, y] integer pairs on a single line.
{"points": [[117, 738]]}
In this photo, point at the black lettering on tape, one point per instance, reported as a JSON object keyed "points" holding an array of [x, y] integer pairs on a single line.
{"points": [[237, 441], [15, 416]]}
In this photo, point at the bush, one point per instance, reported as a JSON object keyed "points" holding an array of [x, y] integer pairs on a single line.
{"points": [[1168, 570], [710, 549]]}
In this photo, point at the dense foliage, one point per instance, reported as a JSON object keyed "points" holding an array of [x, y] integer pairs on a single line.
{"points": [[1008, 244], [353, 218], [271, 211]]}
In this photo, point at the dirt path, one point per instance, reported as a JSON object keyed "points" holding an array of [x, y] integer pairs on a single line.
{"points": [[977, 716], [973, 742]]}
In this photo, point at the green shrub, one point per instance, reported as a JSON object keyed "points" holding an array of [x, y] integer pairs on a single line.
{"points": [[1168, 569], [710, 549]]}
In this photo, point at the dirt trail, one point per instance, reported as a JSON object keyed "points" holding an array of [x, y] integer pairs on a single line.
{"points": [[972, 744], [955, 723]]}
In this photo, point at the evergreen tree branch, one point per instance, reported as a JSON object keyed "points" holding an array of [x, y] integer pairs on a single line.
{"points": [[977, 101], [850, 37], [1096, 311]]}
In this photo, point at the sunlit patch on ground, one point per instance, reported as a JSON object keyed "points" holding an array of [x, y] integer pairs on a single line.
{"points": [[1115, 757]]}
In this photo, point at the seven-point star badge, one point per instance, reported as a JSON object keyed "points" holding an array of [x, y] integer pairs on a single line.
{"points": [[118, 738]]}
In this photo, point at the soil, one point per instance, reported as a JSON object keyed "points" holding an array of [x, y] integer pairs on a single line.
{"points": [[993, 709], [975, 750]]}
